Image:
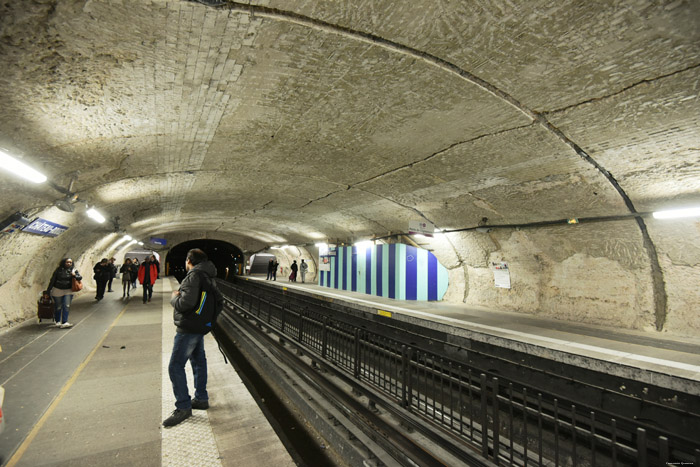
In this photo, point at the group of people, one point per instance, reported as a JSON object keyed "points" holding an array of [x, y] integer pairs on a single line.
{"points": [[146, 273], [60, 289], [300, 268], [193, 315]]}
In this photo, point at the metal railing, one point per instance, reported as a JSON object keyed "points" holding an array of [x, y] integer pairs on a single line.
{"points": [[508, 422]]}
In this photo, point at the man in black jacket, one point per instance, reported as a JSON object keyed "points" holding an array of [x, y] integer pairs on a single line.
{"points": [[102, 274], [195, 307]]}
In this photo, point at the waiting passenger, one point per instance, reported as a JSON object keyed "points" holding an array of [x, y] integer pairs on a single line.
{"points": [[270, 269], [303, 267], [294, 268], [61, 289], [195, 307]]}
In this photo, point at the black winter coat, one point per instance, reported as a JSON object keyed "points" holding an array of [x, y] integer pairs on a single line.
{"points": [[102, 273], [185, 304], [62, 278]]}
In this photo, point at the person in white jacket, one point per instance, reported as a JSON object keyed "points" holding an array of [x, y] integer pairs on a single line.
{"points": [[303, 267]]}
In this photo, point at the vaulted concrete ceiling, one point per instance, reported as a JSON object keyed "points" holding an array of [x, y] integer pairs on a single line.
{"points": [[283, 121]]}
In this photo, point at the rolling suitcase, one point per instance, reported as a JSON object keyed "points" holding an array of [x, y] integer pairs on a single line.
{"points": [[45, 307]]}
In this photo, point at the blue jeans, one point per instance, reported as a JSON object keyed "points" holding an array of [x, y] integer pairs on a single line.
{"points": [[188, 347], [61, 308]]}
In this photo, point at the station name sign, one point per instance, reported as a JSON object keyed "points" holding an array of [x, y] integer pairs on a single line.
{"points": [[46, 228], [158, 241]]}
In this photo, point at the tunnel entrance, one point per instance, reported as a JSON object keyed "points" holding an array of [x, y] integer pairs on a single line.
{"points": [[227, 258]]}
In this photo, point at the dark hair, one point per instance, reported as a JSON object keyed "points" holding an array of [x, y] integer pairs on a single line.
{"points": [[196, 256], [62, 263]]}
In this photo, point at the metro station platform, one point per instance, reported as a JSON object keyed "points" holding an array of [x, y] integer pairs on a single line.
{"points": [[663, 360], [96, 394]]}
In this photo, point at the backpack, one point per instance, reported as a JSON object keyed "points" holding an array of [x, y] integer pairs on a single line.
{"points": [[202, 319]]}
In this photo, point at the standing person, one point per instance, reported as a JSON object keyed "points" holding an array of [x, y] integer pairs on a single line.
{"points": [[61, 289], [274, 270], [270, 269], [147, 277], [294, 268], [102, 274], [303, 267], [112, 273], [193, 317], [129, 272], [136, 266]]}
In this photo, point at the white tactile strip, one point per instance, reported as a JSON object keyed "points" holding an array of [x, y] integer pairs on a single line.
{"points": [[191, 443]]}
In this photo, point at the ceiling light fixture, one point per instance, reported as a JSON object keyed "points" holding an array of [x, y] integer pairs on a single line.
{"points": [[21, 169], [128, 237], [677, 213], [96, 216]]}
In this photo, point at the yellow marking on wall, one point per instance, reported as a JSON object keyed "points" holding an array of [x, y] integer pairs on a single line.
{"points": [[384, 313]]}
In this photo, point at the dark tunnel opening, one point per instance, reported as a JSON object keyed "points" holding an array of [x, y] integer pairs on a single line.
{"points": [[227, 258]]}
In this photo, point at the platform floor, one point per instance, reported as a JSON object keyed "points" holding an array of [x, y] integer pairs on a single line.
{"points": [[96, 394], [659, 358]]}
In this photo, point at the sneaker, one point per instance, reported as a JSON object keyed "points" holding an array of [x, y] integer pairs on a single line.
{"points": [[58, 324], [200, 405], [66, 325], [178, 416]]}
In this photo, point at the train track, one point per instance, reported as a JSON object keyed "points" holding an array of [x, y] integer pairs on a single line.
{"points": [[361, 426]]}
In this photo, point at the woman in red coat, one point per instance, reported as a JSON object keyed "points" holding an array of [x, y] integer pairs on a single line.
{"points": [[148, 273]]}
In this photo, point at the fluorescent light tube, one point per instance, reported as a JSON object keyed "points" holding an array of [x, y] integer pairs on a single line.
{"points": [[21, 169], [94, 215], [676, 213]]}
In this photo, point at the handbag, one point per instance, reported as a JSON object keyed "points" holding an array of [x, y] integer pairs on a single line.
{"points": [[76, 285]]}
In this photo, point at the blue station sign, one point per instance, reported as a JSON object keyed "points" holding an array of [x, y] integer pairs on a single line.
{"points": [[158, 241], [46, 228]]}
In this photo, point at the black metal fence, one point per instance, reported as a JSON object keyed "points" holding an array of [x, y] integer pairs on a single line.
{"points": [[508, 422]]}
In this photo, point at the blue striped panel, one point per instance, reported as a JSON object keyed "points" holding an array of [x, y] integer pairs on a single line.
{"points": [[411, 273], [380, 273], [368, 270], [392, 271], [334, 269], [432, 277], [353, 269]]}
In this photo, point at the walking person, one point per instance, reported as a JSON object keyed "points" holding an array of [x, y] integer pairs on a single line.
{"points": [[195, 307], [61, 289], [155, 261], [270, 269], [148, 273], [294, 268], [133, 279], [102, 272], [129, 273], [112, 273], [303, 267]]}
